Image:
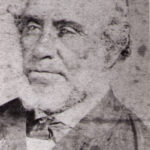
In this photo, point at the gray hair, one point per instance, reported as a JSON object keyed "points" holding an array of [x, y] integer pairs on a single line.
{"points": [[116, 36]]}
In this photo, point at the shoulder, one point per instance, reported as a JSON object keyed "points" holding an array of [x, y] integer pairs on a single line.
{"points": [[109, 125], [11, 113], [120, 126], [12, 107], [12, 121]]}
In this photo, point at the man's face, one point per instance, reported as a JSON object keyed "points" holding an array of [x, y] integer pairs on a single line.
{"points": [[62, 51]]}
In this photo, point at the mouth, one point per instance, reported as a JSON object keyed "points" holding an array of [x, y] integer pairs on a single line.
{"points": [[45, 73]]}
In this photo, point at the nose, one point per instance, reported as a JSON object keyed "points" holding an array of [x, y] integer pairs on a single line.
{"points": [[45, 48]]}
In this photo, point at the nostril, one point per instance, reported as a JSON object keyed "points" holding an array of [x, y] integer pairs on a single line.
{"points": [[46, 57]]}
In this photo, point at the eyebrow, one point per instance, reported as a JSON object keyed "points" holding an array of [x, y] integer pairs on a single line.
{"points": [[22, 20], [29, 18], [62, 23]]}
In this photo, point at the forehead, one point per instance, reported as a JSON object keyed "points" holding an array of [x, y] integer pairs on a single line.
{"points": [[83, 11]]}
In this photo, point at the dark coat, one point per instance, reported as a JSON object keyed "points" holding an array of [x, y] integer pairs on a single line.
{"points": [[109, 126]]}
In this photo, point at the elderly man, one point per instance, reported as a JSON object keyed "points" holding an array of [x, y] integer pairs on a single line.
{"points": [[70, 49]]}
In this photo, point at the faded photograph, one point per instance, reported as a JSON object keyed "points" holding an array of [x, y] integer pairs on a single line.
{"points": [[74, 75]]}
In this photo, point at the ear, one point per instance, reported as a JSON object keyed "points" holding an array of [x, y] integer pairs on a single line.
{"points": [[116, 35], [116, 40]]}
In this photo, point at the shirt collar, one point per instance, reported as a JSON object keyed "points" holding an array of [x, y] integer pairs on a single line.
{"points": [[39, 114], [72, 116]]}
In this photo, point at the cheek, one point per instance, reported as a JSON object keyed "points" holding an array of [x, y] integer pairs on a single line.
{"points": [[27, 46], [89, 73], [90, 57], [88, 51], [28, 42], [79, 45]]}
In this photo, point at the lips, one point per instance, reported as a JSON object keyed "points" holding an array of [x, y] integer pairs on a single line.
{"points": [[44, 72]]}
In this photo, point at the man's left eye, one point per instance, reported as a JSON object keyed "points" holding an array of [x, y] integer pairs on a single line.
{"points": [[66, 30]]}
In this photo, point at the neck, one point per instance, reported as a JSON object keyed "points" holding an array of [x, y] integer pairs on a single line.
{"points": [[80, 110]]}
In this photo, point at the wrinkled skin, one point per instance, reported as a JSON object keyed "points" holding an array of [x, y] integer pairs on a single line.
{"points": [[63, 55]]}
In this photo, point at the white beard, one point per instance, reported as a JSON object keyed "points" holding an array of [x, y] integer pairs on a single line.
{"points": [[56, 99], [53, 100]]}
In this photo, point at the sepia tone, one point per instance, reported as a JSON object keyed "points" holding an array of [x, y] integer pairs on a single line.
{"points": [[107, 110]]}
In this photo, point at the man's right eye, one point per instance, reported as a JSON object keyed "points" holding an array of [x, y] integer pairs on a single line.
{"points": [[32, 28]]}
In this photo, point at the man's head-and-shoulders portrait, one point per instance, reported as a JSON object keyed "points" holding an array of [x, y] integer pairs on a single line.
{"points": [[71, 53]]}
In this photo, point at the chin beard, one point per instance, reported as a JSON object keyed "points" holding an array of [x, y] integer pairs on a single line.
{"points": [[74, 98], [32, 101]]}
